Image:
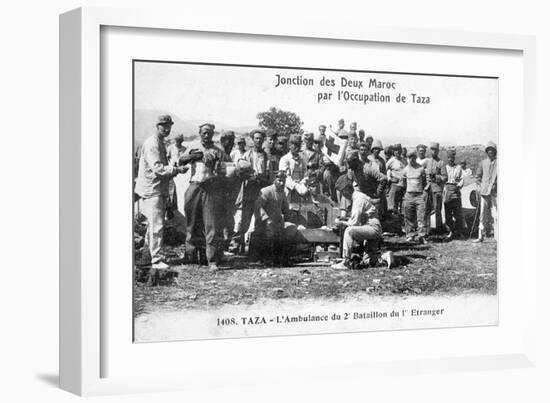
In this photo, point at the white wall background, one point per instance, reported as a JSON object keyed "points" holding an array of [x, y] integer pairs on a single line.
{"points": [[29, 285]]}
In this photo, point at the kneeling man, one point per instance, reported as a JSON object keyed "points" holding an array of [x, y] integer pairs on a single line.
{"points": [[363, 226]]}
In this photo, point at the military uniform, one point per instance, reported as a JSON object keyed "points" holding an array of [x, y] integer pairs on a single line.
{"points": [[259, 178], [452, 197], [204, 204], [414, 203], [436, 176], [395, 168], [486, 178], [152, 184]]}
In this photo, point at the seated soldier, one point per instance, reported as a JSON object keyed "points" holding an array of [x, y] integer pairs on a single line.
{"points": [[273, 237], [362, 227]]}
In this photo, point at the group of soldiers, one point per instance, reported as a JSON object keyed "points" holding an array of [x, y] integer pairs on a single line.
{"points": [[231, 187]]}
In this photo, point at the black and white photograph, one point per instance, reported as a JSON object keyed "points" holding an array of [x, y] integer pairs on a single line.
{"points": [[284, 200]]}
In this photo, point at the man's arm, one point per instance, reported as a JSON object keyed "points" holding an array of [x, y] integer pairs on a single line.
{"points": [[374, 171], [155, 161], [424, 179], [442, 176], [479, 173]]}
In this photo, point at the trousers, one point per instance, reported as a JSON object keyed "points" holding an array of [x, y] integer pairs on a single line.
{"points": [[328, 184], [453, 215], [434, 201], [202, 208], [414, 206], [488, 208], [360, 234], [395, 197], [250, 193], [274, 241], [154, 209]]}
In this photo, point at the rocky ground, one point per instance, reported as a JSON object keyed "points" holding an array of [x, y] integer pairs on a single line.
{"points": [[438, 268]]}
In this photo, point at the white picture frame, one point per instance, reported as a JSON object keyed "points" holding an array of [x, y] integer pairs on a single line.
{"points": [[81, 247]]}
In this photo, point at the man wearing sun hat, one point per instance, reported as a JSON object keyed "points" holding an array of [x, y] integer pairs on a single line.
{"points": [[486, 179], [152, 185]]}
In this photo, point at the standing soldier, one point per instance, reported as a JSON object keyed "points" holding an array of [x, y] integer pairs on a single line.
{"points": [[312, 160], [203, 200], [239, 156], [154, 175], [230, 190], [414, 177], [341, 132], [273, 156], [174, 152], [486, 179], [295, 169], [376, 158], [258, 179], [437, 177], [452, 197], [322, 133], [395, 167]]}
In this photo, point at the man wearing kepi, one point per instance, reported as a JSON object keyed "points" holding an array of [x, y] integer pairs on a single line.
{"points": [[154, 175], [203, 199], [452, 197], [414, 177], [436, 176], [258, 179], [395, 167], [486, 178]]}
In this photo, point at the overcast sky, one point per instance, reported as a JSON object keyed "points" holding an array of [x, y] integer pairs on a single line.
{"points": [[461, 110]]}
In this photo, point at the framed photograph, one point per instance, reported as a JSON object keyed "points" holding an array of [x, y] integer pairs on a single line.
{"points": [[245, 205]]}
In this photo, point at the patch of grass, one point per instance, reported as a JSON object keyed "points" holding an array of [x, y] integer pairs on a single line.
{"points": [[447, 268]]}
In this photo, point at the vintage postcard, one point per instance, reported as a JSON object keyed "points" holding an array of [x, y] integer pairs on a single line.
{"points": [[284, 200]]}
